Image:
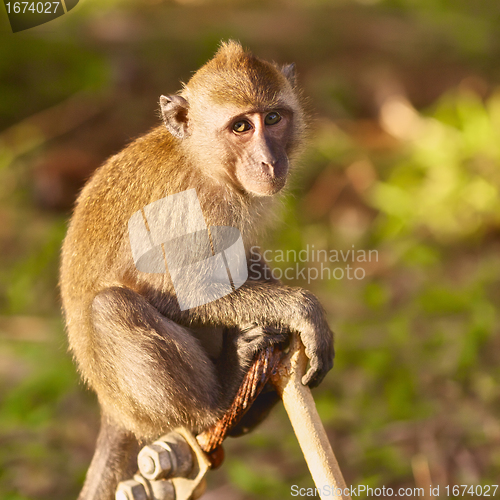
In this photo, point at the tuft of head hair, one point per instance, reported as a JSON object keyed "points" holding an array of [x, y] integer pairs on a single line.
{"points": [[236, 76]]}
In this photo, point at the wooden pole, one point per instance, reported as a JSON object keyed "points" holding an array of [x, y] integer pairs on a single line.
{"points": [[301, 409]]}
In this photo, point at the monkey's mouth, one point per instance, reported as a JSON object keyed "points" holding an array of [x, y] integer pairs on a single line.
{"points": [[266, 187]]}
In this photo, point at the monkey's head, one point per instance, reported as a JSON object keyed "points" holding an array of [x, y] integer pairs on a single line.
{"points": [[239, 118]]}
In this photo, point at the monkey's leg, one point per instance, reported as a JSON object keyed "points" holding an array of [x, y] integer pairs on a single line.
{"points": [[114, 460], [247, 342], [151, 375], [257, 413]]}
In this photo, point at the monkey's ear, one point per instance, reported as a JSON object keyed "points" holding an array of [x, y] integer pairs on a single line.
{"points": [[174, 110], [289, 72]]}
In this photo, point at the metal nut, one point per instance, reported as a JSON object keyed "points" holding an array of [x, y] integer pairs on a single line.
{"points": [[181, 452], [130, 490], [155, 462], [163, 489]]}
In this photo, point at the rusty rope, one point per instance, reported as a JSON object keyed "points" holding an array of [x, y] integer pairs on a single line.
{"points": [[264, 365]]}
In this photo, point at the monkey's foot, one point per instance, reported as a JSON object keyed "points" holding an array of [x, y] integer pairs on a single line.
{"points": [[255, 338]]}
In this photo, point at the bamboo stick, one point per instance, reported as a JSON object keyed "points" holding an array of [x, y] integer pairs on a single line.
{"points": [[301, 409]]}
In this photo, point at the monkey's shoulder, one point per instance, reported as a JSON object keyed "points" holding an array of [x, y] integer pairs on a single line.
{"points": [[140, 173]]}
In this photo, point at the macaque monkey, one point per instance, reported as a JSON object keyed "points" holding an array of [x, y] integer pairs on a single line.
{"points": [[230, 135]]}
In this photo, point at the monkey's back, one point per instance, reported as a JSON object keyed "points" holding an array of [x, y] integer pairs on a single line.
{"points": [[96, 252]]}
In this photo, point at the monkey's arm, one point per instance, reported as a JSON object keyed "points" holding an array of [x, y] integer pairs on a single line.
{"points": [[265, 304], [259, 270]]}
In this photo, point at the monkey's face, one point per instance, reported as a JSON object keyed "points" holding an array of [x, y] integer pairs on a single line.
{"points": [[256, 149], [243, 146], [239, 118]]}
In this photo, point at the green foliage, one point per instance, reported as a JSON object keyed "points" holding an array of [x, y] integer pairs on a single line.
{"points": [[40, 266], [39, 417], [421, 347], [448, 183], [418, 355], [260, 483], [68, 63]]}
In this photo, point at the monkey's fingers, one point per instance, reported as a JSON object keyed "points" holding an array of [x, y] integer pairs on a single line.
{"points": [[317, 339], [319, 366], [317, 372], [313, 377]]}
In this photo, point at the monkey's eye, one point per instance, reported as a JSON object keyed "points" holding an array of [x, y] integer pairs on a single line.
{"points": [[241, 126], [272, 118]]}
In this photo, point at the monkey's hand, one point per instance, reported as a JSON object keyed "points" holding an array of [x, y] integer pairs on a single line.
{"points": [[317, 338]]}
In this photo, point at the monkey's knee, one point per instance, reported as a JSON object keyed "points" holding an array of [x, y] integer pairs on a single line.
{"points": [[121, 306], [149, 369]]}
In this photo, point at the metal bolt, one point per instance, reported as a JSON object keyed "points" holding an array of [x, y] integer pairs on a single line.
{"points": [[170, 456], [155, 462], [162, 489], [181, 451], [130, 490], [146, 464]]}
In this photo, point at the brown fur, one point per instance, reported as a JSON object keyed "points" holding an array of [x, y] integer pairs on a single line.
{"points": [[261, 86], [152, 365]]}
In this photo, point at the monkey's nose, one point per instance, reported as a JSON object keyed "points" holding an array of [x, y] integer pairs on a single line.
{"points": [[268, 168]]}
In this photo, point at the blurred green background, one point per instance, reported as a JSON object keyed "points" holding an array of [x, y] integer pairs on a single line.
{"points": [[403, 158]]}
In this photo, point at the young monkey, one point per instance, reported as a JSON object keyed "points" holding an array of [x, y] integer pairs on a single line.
{"points": [[229, 135]]}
